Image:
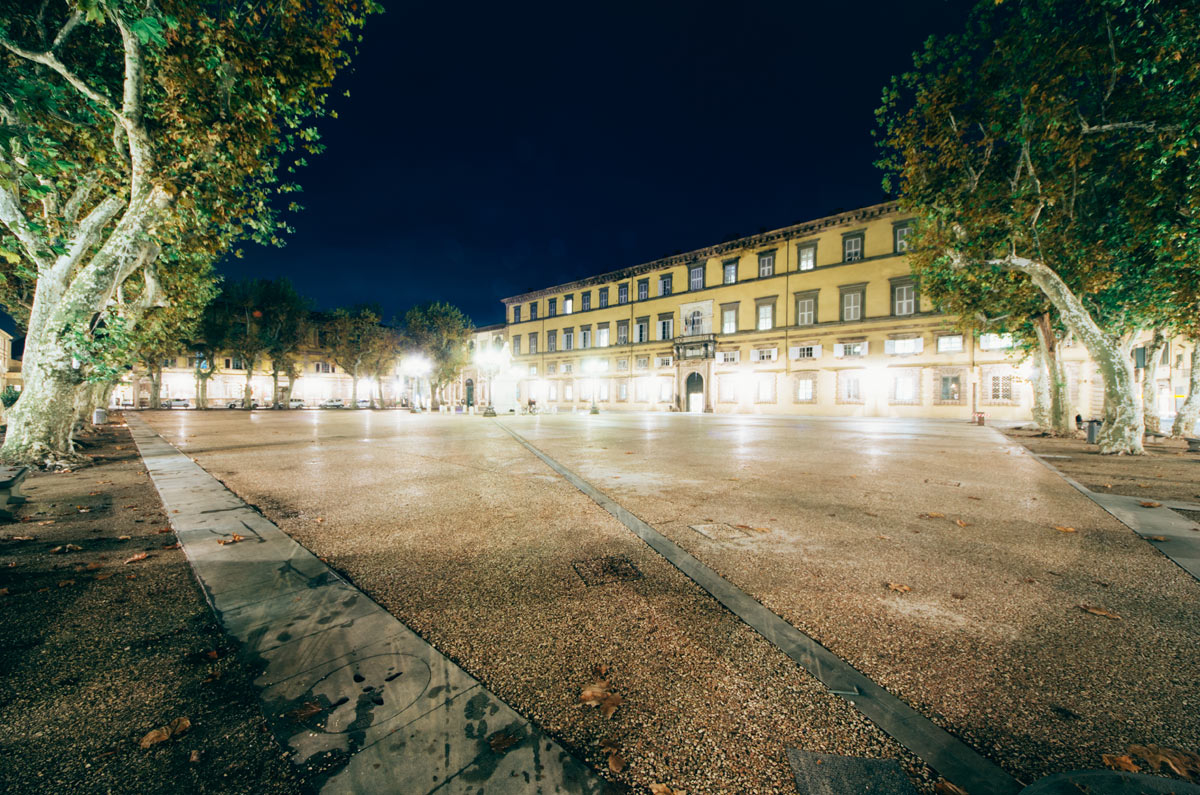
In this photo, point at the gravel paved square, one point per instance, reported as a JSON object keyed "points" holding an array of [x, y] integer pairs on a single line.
{"points": [[938, 558]]}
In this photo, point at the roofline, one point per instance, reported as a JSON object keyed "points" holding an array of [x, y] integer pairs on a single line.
{"points": [[687, 257], [492, 327]]}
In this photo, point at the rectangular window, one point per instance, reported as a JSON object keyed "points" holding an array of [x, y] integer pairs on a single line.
{"points": [[729, 272], [729, 320], [849, 349], [643, 289], [852, 248], [766, 317], [850, 387], [641, 331], [807, 256], [805, 351], [662, 361], [901, 236], [585, 301], [950, 343], [551, 341], [995, 342], [766, 264], [533, 310], [852, 305], [516, 314], [641, 390], [603, 391], [664, 285], [622, 332], [806, 388], [585, 338], [568, 391], [728, 357], [602, 337], [533, 343], [950, 389], [906, 386], [516, 343], [551, 368], [764, 354], [622, 293], [1000, 387], [552, 307], [622, 391], [666, 329], [765, 389], [642, 363], [568, 368], [903, 347], [533, 369], [904, 299], [568, 304], [696, 277], [622, 364], [603, 293], [727, 388], [806, 311], [568, 339], [552, 391]]}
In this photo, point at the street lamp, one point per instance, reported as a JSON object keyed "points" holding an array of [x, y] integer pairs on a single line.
{"points": [[415, 367], [592, 367], [490, 360]]}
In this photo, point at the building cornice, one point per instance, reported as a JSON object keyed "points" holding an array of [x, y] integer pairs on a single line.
{"points": [[703, 254]]}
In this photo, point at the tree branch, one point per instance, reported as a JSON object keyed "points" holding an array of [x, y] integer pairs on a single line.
{"points": [[51, 60], [18, 224], [87, 235], [1144, 126]]}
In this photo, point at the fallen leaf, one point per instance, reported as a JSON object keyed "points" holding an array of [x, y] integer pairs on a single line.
{"points": [[164, 530], [103, 576], [176, 545], [969, 497], [65, 583], [24, 538], [885, 538], [600, 670], [93, 566], [124, 538], [663, 789], [43, 524], [137, 557], [1151, 504], [93, 493], [155, 736], [194, 757], [84, 510], [594, 694], [1100, 611], [502, 741], [320, 519], [610, 704], [212, 655], [1181, 763], [944, 787], [1062, 529], [931, 515], [179, 726], [131, 576], [305, 711], [233, 539], [898, 588], [1157, 538], [1123, 762], [616, 762], [961, 523]]}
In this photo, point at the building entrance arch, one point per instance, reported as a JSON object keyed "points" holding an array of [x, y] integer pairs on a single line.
{"points": [[470, 392], [694, 389]]}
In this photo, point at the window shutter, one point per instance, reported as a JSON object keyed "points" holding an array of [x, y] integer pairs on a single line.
{"points": [[839, 350], [889, 346], [920, 344], [794, 352], [773, 355], [866, 347], [754, 355], [816, 351]]}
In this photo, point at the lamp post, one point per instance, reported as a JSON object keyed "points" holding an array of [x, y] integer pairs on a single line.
{"points": [[490, 360], [592, 368], [415, 367]]}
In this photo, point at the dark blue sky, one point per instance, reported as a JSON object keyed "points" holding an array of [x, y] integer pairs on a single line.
{"points": [[491, 148]]}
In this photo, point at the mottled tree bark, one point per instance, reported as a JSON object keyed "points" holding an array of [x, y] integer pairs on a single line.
{"points": [[1150, 381], [1060, 422], [1188, 414], [1040, 381]]}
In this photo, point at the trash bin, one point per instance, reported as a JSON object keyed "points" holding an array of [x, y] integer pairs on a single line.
{"points": [[1093, 430], [99, 416]]}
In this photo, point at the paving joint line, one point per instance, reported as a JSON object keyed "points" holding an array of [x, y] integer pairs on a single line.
{"points": [[950, 756]]}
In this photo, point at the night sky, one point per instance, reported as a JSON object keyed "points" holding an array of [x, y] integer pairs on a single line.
{"points": [[488, 149]]}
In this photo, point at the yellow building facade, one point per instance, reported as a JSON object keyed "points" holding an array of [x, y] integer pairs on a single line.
{"points": [[818, 318]]}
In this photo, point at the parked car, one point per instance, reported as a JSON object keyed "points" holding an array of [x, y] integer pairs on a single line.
{"points": [[296, 403], [364, 403], [175, 403], [237, 404], [333, 403]]}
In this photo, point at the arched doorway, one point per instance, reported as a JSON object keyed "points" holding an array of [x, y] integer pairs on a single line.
{"points": [[470, 392], [694, 389]]}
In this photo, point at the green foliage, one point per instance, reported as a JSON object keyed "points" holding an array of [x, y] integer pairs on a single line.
{"points": [[9, 396], [351, 335], [441, 331]]}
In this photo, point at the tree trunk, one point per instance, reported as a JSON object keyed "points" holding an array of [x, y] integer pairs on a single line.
{"points": [[354, 390], [1150, 381], [1060, 421], [1123, 427], [155, 386], [379, 386], [274, 387], [1040, 381], [247, 392], [1189, 412], [41, 422]]}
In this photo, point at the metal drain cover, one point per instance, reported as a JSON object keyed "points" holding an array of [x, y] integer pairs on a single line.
{"points": [[600, 571], [719, 532]]}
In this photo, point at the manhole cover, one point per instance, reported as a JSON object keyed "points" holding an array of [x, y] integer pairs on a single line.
{"points": [[598, 571], [719, 532]]}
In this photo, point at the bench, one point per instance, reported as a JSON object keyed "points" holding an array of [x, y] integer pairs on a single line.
{"points": [[1193, 444], [10, 484]]}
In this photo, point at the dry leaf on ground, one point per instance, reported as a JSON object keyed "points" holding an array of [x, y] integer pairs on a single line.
{"points": [[24, 538], [502, 741], [931, 515], [137, 557], [43, 524], [305, 711], [898, 588], [103, 576], [65, 583], [1157, 538], [961, 523], [1062, 529], [93, 566], [593, 695], [164, 530], [1151, 504], [179, 726], [610, 704], [194, 757], [616, 762], [1182, 763], [1124, 762], [663, 789], [233, 539], [155, 736], [1099, 611], [124, 538], [944, 787]]}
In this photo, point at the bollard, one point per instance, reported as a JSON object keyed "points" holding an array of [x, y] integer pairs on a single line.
{"points": [[1093, 430], [99, 416]]}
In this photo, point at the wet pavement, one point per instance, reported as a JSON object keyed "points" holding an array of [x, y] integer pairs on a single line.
{"points": [[933, 556]]}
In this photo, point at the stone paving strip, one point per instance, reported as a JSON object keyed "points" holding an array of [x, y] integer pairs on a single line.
{"points": [[341, 676], [953, 759], [1171, 534]]}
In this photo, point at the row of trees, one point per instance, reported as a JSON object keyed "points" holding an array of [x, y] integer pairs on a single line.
{"points": [[1051, 155], [267, 323], [139, 142]]}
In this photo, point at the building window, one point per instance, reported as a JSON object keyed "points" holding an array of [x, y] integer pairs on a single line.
{"points": [[806, 310], [622, 391], [568, 368], [852, 304], [602, 337], [643, 289], [663, 361], [641, 390], [852, 248], [666, 328], [806, 387], [729, 357], [603, 391], [552, 307], [950, 343], [849, 386], [622, 332], [807, 258], [766, 264], [552, 368], [903, 347], [696, 277], [901, 233], [552, 391], [764, 391], [322, 367], [805, 351], [766, 316], [603, 293], [533, 343], [642, 363], [551, 341], [727, 389], [533, 369], [641, 330], [516, 345], [665, 388], [694, 323], [995, 342], [568, 304], [729, 319], [906, 386], [568, 339], [729, 270], [849, 350], [622, 293], [664, 284], [998, 388], [533, 310], [585, 301], [949, 388], [622, 364], [516, 314], [568, 391], [904, 299], [585, 337], [764, 354]]}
